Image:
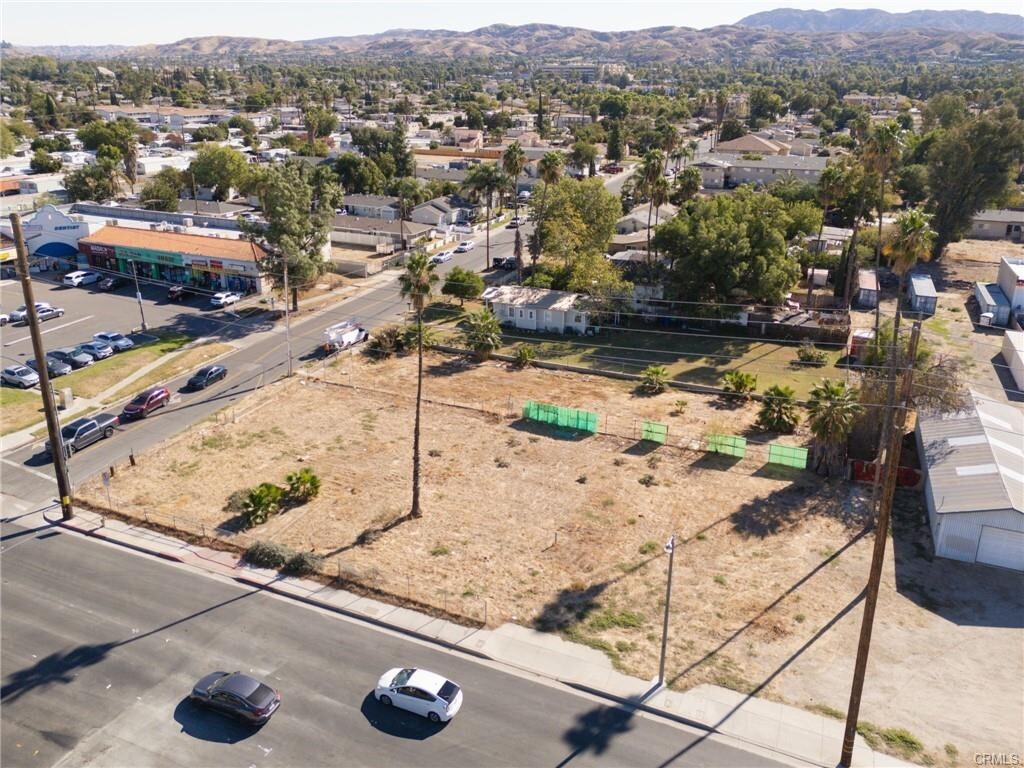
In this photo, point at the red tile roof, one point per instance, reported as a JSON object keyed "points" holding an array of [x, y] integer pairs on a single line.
{"points": [[174, 242]]}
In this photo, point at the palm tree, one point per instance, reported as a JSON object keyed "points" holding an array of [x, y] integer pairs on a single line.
{"points": [[417, 284], [830, 187], [833, 407], [513, 161], [881, 151], [668, 139], [652, 171], [550, 169], [911, 243], [483, 182]]}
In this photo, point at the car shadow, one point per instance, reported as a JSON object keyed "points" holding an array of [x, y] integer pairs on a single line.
{"points": [[398, 722], [209, 725]]}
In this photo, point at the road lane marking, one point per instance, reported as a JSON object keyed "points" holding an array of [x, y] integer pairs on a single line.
{"points": [[35, 472], [52, 328]]}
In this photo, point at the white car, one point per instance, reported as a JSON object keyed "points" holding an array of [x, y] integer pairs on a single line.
{"points": [[81, 277], [224, 298], [117, 341], [441, 258], [465, 246], [20, 376], [421, 692]]}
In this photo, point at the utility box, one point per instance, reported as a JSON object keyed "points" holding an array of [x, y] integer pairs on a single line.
{"points": [[66, 398]]}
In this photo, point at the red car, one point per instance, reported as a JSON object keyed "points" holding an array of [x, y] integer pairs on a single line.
{"points": [[145, 403]]}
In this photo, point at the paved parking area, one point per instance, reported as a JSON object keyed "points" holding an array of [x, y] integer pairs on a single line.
{"points": [[89, 311]]}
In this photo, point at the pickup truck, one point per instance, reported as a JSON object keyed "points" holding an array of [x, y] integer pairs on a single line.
{"points": [[505, 262], [82, 432]]}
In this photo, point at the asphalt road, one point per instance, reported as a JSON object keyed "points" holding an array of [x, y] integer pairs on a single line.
{"points": [[100, 646]]}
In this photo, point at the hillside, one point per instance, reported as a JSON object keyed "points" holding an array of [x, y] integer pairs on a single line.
{"points": [[871, 21]]}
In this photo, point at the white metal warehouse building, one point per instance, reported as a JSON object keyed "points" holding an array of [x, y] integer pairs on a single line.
{"points": [[974, 482]]}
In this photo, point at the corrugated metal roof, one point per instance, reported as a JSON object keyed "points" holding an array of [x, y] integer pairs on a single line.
{"points": [[975, 460], [923, 286]]}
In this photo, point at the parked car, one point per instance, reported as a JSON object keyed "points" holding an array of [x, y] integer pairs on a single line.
{"points": [[612, 168], [4, 319], [177, 292], [54, 367], [98, 350], [145, 403], [513, 224], [117, 341], [417, 690], [73, 356], [81, 277], [206, 376], [441, 258], [82, 432], [224, 298], [465, 246], [110, 283], [505, 262], [237, 695], [43, 310], [20, 376]]}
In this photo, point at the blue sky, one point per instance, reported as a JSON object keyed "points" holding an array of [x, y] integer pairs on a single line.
{"points": [[135, 22]]}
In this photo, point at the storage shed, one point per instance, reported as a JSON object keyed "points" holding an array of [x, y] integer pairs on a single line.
{"points": [[867, 289], [1013, 354], [973, 488], [922, 295], [992, 300]]}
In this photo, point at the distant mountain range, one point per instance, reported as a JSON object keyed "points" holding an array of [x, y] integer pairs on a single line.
{"points": [[780, 34]]}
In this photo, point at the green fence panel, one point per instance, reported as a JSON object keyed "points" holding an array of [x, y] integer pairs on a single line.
{"points": [[787, 455], [568, 418], [655, 432], [591, 422], [730, 445], [528, 407]]}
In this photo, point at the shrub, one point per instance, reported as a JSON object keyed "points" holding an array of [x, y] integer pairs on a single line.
{"points": [[648, 547], [778, 411], [525, 355], [236, 502], [262, 503], [440, 550], [679, 407], [655, 379], [738, 384], [648, 480], [303, 485], [267, 554], [386, 341], [481, 333], [302, 563], [808, 354]]}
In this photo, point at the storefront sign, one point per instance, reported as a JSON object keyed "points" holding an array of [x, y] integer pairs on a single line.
{"points": [[194, 262], [91, 249], [216, 264], [154, 257]]}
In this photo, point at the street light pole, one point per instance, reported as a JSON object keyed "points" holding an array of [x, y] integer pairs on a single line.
{"points": [[138, 293], [287, 317], [670, 547]]}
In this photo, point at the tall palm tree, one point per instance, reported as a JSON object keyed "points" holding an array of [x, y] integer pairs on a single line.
{"points": [[833, 408], [881, 152], [417, 284], [550, 168], [512, 162], [483, 182], [668, 139], [911, 243], [652, 170]]}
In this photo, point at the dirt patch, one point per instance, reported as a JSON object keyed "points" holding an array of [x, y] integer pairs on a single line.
{"points": [[561, 530]]}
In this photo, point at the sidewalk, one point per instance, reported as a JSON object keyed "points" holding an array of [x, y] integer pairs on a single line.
{"points": [[784, 733]]}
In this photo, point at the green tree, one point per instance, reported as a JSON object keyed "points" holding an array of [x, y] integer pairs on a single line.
{"points": [[463, 284], [483, 182], [764, 106], [584, 155], [549, 168], [578, 218], [359, 175], [319, 122], [912, 183], [405, 163], [778, 410], [96, 183], [204, 133], [7, 142], [731, 129], [686, 184], [881, 154], [911, 243], [969, 166], [416, 284], [481, 333], [44, 162], [653, 185], [161, 193], [615, 149], [303, 485], [221, 168], [832, 409], [805, 218]]}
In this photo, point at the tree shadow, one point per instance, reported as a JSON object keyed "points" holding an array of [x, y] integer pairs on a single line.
{"points": [[453, 365], [570, 606], [595, 729], [397, 722], [211, 725], [767, 515], [966, 594]]}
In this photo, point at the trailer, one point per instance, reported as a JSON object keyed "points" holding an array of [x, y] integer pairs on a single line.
{"points": [[343, 335]]}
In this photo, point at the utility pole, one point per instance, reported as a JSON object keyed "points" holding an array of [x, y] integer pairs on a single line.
{"points": [[287, 316], [138, 293], [891, 467], [49, 407], [670, 547]]}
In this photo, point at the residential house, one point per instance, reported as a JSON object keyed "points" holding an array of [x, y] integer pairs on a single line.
{"points": [[637, 219], [468, 138], [998, 225], [570, 120], [52, 183], [973, 486], [353, 230], [763, 171], [752, 144], [872, 102], [438, 213], [831, 239], [372, 206], [712, 171], [537, 309]]}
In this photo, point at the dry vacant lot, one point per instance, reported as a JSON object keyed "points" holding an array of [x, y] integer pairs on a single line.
{"points": [[564, 531]]}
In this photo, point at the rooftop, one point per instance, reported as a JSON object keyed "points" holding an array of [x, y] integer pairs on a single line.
{"points": [[523, 296], [174, 242]]}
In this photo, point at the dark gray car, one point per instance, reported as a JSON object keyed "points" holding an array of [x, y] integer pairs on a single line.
{"points": [[54, 367], [73, 356], [237, 695]]}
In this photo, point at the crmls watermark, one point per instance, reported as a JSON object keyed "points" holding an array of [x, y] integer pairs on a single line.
{"points": [[998, 758]]}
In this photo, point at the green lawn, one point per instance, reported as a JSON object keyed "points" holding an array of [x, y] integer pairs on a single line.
{"points": [[689, 356], [19, 408]]}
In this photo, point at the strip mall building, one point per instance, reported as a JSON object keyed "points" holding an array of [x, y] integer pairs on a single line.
{"points": [[215, 263]]}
